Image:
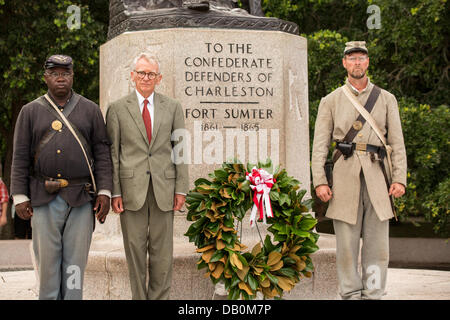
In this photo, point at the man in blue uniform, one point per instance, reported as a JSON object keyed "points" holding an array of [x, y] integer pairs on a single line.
{"points": [[51, 181]]}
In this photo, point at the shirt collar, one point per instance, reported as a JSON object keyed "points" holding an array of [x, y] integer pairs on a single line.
{"points": [[356, 91], [141, 98]]}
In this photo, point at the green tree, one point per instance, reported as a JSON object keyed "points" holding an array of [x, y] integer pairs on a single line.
{"points": [[409, 54], [30, 32]]}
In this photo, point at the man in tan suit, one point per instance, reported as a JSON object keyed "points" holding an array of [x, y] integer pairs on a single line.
{"points": [[147, 185], [359, 197]]}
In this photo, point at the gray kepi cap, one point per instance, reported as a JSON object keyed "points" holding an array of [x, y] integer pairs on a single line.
{"points": [[58, 60], [355, 46]]}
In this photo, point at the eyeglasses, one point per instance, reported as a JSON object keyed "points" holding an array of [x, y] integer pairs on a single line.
{"points": [[55, 75], [151, 75], [360, 59]]}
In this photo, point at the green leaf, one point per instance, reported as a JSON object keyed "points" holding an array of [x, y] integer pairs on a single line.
{"points": [[307, 224], [234, 293], [301, 233], [288, 212], [213, 226], [227, 237], [228, 223], [279, 226], [202, 181], [288, 260], [271, 277], [252, 282], [196, 226], [280, 237], [217, 256], [242, 259], [301, 194], [235, 280], [268, 244], [308, 203], [297, 218], [194, 196], [274, 195], [288, 272], [284, 198], [221, 174]]}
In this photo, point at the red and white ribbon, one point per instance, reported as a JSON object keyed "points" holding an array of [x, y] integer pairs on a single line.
{"points": [[261, 183]]}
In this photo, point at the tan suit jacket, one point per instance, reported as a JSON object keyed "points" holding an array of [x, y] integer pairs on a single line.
{"points": [[135, 160], [335, 117]]}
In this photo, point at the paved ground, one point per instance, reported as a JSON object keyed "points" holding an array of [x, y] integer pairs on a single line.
{"points": [[403, 284]]}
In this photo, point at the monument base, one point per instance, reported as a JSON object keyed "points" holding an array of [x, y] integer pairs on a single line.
{"points": [[106, 276]]}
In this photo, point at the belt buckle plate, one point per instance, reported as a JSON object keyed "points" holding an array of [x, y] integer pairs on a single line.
{"points": [[361, 147], [63, 183]]}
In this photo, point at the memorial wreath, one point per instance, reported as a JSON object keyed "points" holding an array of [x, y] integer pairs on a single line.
{"points": [[271, 268]]}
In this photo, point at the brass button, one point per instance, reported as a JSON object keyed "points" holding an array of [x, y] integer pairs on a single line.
{"points": [[360, 135]]}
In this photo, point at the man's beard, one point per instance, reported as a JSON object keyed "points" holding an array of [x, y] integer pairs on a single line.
{"points": [[358, 76]]}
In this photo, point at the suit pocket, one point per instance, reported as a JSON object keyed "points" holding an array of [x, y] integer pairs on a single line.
{"points": [[124, 174], [170, 173]]}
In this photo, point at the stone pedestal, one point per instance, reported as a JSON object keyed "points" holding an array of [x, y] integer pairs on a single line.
{"points": [[244, 94]]}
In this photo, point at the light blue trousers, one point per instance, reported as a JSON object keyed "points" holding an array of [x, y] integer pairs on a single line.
{"points": [[374, 252], [61, 240]]}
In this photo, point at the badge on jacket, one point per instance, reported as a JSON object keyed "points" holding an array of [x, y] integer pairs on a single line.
{"points": [[56, 125]]}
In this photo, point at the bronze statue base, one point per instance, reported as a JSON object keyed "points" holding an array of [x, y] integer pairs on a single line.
{"points": [[122, 20]]}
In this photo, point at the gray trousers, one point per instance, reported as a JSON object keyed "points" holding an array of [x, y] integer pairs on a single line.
{"points": [[61, 240], [148, 230], [374, 252]]}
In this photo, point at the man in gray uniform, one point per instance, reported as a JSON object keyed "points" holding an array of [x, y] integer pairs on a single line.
{"points": [[361, 180], [51, 181]]}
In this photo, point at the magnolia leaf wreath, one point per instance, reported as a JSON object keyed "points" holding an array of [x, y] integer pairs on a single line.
{"points": [[269, 268]]}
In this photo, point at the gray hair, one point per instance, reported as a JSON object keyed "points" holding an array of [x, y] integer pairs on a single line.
{"points": [[145, 55]]}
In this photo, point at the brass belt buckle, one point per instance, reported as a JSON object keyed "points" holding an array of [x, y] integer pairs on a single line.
{"points": [[361, 146], [63, 182]]}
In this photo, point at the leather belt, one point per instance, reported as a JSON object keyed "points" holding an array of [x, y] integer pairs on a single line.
{"points": [[64, 182], [367, 147]]}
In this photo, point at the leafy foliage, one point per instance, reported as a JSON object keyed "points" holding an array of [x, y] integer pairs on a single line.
{"points": [[271, 268], [30, 32], [408, 54], [427, 143]]}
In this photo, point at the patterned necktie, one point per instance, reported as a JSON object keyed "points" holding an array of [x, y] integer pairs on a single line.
{"points": [[147, 120]]}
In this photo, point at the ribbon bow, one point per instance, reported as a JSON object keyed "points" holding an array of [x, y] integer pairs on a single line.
{"points": [[261, 183]]}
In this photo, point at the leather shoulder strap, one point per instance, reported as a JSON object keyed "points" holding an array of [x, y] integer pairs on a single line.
{"points": [[373, 124], [76, 136], [370, 103]]}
